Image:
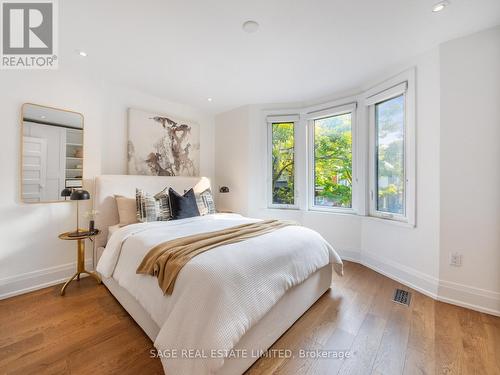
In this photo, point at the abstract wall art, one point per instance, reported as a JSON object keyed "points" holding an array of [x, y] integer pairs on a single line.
{"points": [[162, 145]]}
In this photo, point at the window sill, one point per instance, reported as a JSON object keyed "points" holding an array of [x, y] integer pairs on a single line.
{"points": [[342, 211], [398, 223], [288, 208], [318, 211], [353, 213]]}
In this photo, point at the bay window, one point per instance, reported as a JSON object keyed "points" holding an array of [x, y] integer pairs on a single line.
{"points": [[325, 159], [331, 159]]}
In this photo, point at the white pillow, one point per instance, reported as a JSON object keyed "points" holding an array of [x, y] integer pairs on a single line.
{"points": [[205, 202], [127, 210]]}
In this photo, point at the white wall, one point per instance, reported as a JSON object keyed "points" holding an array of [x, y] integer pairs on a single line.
{"points": [[413, 248], [241, 164], [458, 132], [342, 231], [413, 253], [114, 155], [30, 252], [470, 166], [232, 158]]}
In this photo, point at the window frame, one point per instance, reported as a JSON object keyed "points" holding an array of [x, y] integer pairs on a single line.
{"points": [[320, 114], [363, 158], [403, 84], [274, 119]]}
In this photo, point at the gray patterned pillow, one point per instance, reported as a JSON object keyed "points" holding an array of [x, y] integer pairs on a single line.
{"points": [[205, 202], [152, 207]]}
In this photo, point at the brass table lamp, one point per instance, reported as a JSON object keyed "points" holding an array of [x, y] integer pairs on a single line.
{"points": [[78, 195]]}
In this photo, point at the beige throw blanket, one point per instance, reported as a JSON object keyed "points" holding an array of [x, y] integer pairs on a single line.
{"points": [[166, 260]]}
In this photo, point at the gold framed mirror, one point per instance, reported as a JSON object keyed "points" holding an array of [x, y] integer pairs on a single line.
{"points": [[51, 153]]}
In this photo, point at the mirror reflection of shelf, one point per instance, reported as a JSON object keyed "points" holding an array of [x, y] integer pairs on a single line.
{"points": [[74, 151], [74, 158], [74, 183], [74, 173], [74, 163]]}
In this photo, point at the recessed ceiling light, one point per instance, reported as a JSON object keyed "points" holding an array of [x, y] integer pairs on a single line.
{"points": [[250, 26], [42, 117], [82, 53], [209, 99], [440, 6]]}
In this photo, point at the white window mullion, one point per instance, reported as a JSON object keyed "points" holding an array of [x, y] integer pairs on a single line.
{"points": [[386, 94], [411, 152], [362, 155], [301, 163], [371, 158], [283, 118]]}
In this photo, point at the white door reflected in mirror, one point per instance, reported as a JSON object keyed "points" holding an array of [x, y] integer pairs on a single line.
{"points": [[52, 153]]}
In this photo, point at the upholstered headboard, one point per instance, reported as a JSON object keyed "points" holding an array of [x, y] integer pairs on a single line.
{"points": [[106, 186]]}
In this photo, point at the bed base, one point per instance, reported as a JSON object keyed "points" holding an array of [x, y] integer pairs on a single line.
{"points": [[262, 335]]}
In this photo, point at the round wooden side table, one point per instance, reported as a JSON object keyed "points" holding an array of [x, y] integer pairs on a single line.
{"points": [[80, 237]]}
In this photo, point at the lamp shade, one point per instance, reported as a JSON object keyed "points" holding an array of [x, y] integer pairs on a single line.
{"points": [[79, 195], [66, 192]]}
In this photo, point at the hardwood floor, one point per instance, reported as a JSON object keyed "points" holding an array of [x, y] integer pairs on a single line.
{"points": [[87, 331]]}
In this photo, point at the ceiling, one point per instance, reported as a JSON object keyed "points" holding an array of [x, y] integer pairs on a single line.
{"points": [[188, 51], [49, 115]]}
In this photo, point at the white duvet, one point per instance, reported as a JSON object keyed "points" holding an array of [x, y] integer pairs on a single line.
{"points": [[220, 294]]}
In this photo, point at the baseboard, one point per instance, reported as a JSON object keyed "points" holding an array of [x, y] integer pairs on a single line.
{"points": [[408, 276], [446, 291], [30, 281], [482, 300], [350, 255], [405, 275]]}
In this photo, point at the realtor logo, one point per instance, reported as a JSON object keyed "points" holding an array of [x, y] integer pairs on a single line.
{"points": [[29, 34]]}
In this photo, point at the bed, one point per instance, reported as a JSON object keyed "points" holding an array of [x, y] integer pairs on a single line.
{"points": [[141, 296]]}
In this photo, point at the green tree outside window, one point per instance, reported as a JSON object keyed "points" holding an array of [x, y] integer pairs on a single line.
{"points": [[333, 161], [283, 163]]}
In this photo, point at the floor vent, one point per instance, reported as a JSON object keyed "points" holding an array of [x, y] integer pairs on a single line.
{"points": [[402, 297]]}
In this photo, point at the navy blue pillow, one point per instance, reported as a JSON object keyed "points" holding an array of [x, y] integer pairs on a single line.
{"points": [[183, 206]]}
